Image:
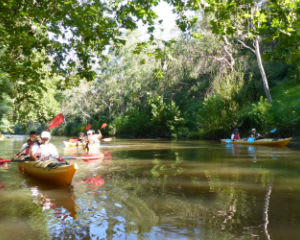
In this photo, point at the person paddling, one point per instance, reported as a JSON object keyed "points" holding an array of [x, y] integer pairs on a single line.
{"points": [[235, 135], [255, 134], [26, 149], [46, 150]]}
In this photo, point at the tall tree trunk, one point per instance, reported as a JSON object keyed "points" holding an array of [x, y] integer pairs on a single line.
{"points": [[262, 70]]}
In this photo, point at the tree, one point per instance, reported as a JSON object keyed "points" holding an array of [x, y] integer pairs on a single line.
{"points": [[68, 36], [247, 22]]}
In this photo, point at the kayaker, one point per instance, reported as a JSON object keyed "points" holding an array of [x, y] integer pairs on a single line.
{"points": [[255, 134], [81, 137], [26, 149], [92, 137], [235, 135], [45, 150]]}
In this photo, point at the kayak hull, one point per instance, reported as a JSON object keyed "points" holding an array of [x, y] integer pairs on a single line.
{"points": [[72, 144], [79, 144], [263, 142], [61, 175]]}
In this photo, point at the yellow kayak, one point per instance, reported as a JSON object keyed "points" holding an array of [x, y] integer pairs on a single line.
{"points": [[61, 175], [73, 144], [80, 144], [277, 142]]}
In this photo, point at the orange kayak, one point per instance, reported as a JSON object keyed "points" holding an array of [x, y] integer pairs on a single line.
{"points": [[277, 142], [61, 175]]}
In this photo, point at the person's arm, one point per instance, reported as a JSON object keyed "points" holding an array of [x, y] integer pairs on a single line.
{"points": [[99, 134], [232, 136], [34, 152], [259, 136], [54, 152], [23, 148]]}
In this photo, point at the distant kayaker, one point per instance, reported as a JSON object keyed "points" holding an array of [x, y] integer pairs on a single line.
{"points": [[255, 134], [82, 137], [235, 135], [92, 137], [45, 150], [26, 149]]}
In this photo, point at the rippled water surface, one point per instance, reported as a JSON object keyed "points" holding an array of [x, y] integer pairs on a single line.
{"points": [[157, 189]]}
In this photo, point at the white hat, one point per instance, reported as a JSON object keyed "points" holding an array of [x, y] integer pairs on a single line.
{"points": [[46, 134], [89, 132]]}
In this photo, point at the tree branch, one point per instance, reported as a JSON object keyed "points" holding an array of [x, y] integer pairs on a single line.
{"points": [[232, 61], [246, 46]]}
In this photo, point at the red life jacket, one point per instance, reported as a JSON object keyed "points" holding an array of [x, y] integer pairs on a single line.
{"points": [[236, 137], [29, 147]]}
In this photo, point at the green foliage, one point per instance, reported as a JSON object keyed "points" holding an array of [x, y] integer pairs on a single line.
{"points": [[5, 108], [63, 36], [277, 114], [221, 109], [134, 123], [166, 117], [261, 114], [283, 113], [218, 116]]}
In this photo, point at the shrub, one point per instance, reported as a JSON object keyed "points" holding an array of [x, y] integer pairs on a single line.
{"points": [[166, 117]]}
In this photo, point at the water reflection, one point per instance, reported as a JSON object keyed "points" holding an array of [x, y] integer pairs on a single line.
{"points": [[256, 152], [59, 199], [142, 189]]}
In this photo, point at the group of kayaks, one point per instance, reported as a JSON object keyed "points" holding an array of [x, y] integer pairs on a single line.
{"points": [[62, 174]]}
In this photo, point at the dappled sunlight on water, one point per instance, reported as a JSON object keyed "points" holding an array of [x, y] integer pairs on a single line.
{"points": [[158, 189]]}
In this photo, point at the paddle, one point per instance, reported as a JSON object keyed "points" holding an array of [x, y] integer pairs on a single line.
{"points": [[56, 121], [109, 139], [61, 159], [88, 127], [251, 140], [12, 160], [228, 140]]}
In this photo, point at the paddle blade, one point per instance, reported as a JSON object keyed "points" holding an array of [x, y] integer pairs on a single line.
{"points": [[228, 140], [251, 140], [2, 161], [273, 130], [88, 127], [104, 125], [56, 121]]}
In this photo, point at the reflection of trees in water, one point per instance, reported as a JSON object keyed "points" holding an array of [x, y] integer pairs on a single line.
{"points": [[21, 218], [195, 200], [187, 196]]}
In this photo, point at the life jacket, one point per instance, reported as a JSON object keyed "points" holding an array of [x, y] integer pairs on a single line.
{"points": [[255, 135], [29, 146], [236, 137]]}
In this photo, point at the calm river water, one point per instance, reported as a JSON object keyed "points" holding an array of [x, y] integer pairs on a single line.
{"points": [[158, 189]]}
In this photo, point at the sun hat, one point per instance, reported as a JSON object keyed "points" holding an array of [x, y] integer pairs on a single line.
{"points": [[46, 134]]}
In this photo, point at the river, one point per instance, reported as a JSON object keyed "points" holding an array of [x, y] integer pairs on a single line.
{"points": [[157, 189]]}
